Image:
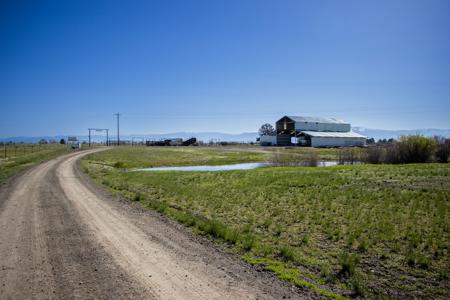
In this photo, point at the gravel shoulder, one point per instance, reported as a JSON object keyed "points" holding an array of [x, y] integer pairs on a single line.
{"points": [[61, 236]]}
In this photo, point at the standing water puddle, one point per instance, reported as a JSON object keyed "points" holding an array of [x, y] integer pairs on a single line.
{"points": [[233, 167], [246, 166]]}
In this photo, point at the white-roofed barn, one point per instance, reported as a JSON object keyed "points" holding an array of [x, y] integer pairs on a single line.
{"points": [[316, 132]]}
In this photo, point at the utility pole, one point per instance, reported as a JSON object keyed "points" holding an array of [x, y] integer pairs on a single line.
{"points": [[118, 137], [99, 130]]}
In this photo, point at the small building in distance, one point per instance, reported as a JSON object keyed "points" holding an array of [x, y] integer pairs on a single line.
{"points": [[73, 142], [315, 132]]}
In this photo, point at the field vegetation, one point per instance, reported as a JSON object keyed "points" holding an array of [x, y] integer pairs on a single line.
{"points": [[139, 157], [377, 231], [405, 150], [14, 158]]}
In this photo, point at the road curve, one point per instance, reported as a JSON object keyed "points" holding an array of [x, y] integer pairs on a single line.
{"points": [[63, 237]]}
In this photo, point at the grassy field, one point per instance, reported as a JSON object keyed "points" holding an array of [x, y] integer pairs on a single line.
{"points": [[19, 157], [134, 157], [138, 156], [378, 231]]}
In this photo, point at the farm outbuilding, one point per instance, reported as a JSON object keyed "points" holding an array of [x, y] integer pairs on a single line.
{"points": [[331, 139], [316, 132]]}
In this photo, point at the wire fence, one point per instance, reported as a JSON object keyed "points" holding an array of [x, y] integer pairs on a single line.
{"points": [[9, 150]]}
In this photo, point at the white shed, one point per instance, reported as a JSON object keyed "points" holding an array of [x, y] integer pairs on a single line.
{"points": [[333, 139]]}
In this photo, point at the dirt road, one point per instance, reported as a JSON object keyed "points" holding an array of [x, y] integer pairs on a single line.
{"points": [[63, 237]]}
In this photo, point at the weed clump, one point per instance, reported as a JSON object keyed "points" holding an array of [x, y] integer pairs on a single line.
{"points": [[247, 241], [348, 263], [326, 273], [287, 253], [119, 165], [138, 197], [358, 286], [415, 258]]}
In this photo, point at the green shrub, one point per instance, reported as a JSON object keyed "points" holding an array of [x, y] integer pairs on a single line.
{"points": [[442, 149], [311, 160], [392, 153], [348, 156], [373, 155], [415, 149]]}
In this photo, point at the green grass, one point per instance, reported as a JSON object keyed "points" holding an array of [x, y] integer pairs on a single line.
{"points": [[364, 230], [23, 156], [133, 157], [291, 152]]}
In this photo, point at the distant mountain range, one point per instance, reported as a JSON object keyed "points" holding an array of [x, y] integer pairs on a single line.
{"points": [[387, 134], [219, 136], [201, 136]]}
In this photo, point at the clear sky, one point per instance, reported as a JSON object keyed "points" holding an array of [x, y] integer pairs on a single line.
{"points": [[221, 65]]}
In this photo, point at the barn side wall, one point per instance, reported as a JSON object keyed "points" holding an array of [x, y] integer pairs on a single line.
{"points": [[310, 126], [284, 140], [337, 142]]}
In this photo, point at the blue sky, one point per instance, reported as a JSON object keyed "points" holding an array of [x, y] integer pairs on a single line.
{"points": [[224, 66]]}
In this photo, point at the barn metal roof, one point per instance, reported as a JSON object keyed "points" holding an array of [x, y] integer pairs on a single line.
{"points": [[349, 134], [316, 120]]}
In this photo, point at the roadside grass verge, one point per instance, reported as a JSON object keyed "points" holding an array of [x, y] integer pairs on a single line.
{"points": [[372, 231], [13, 164]]}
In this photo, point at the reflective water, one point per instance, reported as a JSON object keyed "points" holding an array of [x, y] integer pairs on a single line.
{"points": [[246, 166], [233, 167], [327, 163]]}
